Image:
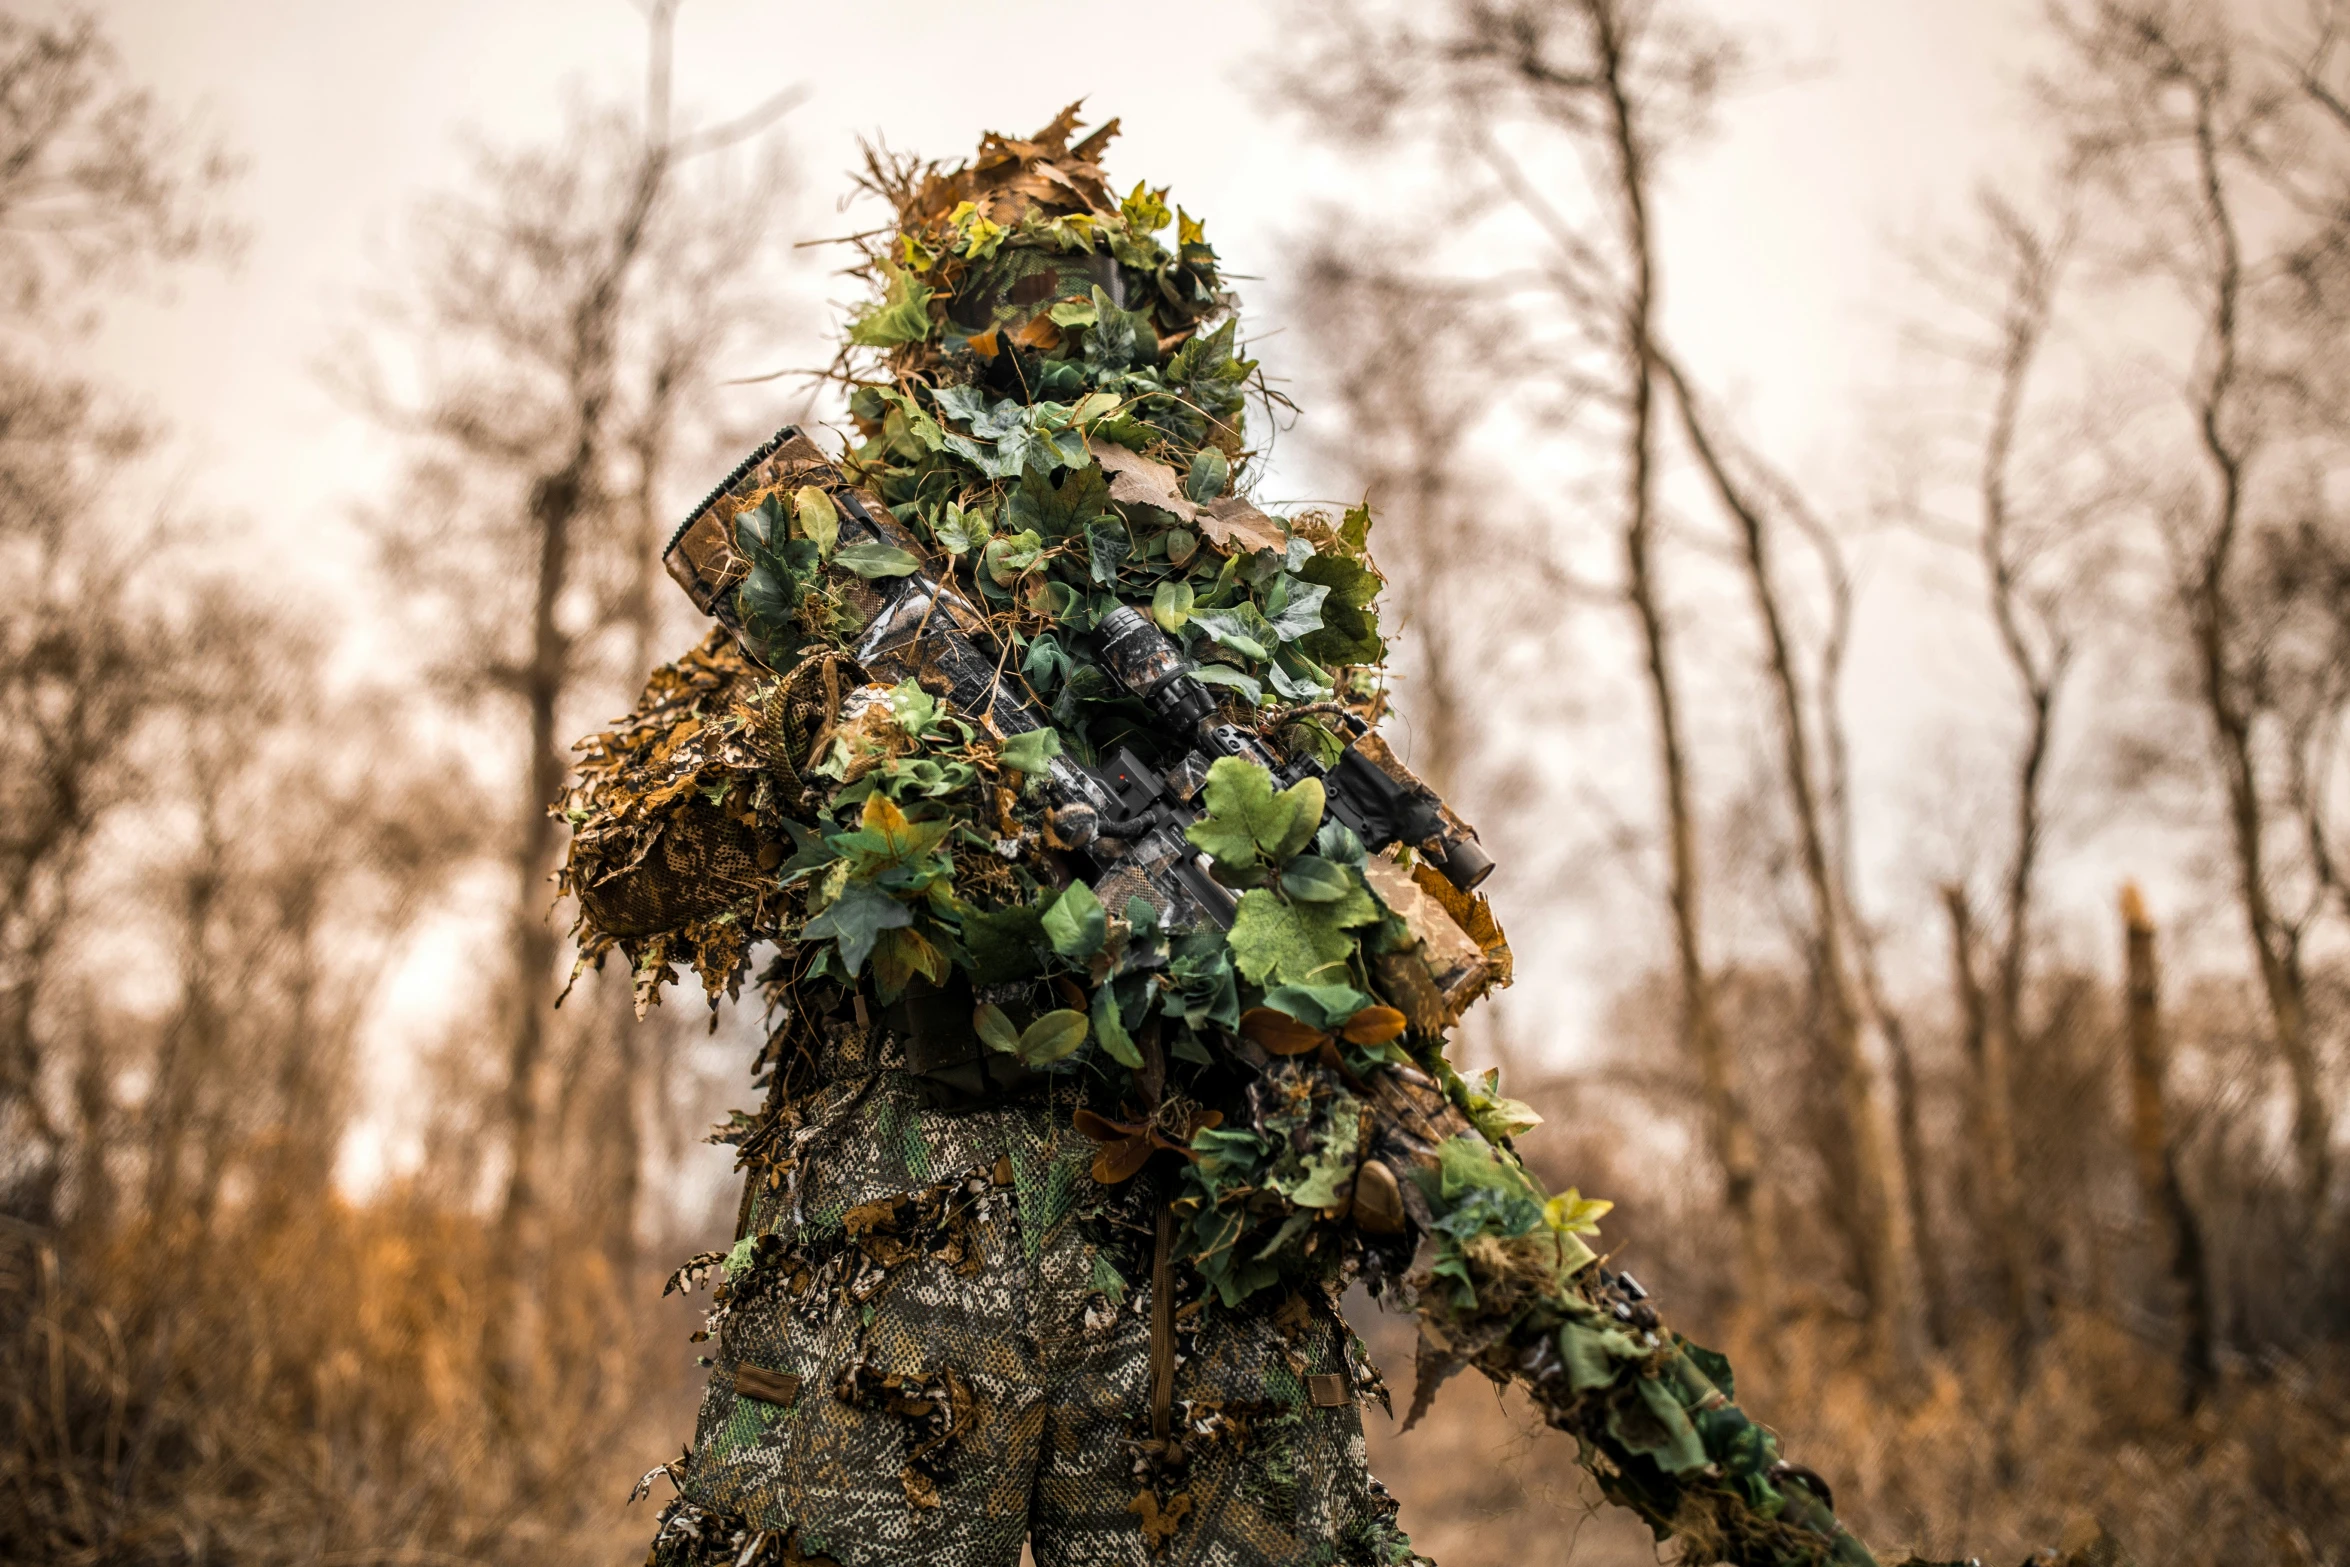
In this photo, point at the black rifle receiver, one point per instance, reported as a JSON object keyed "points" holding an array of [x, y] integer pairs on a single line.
{"points": [[1380, 800]]}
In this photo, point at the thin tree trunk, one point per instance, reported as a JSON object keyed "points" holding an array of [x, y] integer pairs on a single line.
{"points": [[1888, 1243], [2003, 1238], [1908, 1132], [2276, 945], [1730, 1133], [2023, 328], [2156, 1155]]}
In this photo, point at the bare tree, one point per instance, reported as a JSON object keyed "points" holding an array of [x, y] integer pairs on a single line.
{"points": [[1885, 1215], [1618, 85], [2154, 1142], [2207, 142], [97, 188], [567, 317]]}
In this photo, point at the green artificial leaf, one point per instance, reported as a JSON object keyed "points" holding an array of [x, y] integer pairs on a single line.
{"points": [[914, 709], [963, 404], [1498, 1118], [995, 1029], [1052, 1036], [1246, 822], [812, 853], [1032, 750], [1107, 544], [1056, 511], [1301, 613], [1330, 1164], [1350, 624], [817, 519], [1245, 634], [903, 316], [1210, 471], [1005, 944], [1094, 406], [856, 920], [1008, 555], [1205, 991], [958, 531], [1171, 605], [1324, 1007], [1225, 675], [871, 558], [1595, 1353], [1655, 1425], [1572, 1213], [1479, 1191], [1311, 879], [1074, 312], [1076, 924], [1110, 1029], [1354, 530], [1337, 841], [1144, 209], [1297, 943]]}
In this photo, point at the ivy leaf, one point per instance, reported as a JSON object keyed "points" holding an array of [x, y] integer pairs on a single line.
{"points": [[965, 404], [1171, 605], [1145, 210], [914, 709], [959, 531], [1296, 944], [856, 920], [1246, 821], [817, 518], [1052, 1036], [1302, 615], [1005, 944], [1076, 924], [1008, 555], [1032, 750], [903, 316], [1225, 675], [1229, 629], [1107, 546], [1110, 1029], [1317, 1006], [1572, 1213], [871, 558], [1211, 470], [1311, 879], [1350, 625], [995, 1029]]}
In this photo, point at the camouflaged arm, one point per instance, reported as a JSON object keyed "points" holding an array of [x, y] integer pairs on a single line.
{"points": [[1652, 1414]]}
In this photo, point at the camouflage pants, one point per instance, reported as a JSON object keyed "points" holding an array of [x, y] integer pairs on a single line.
{"points": [[943, 1349]]}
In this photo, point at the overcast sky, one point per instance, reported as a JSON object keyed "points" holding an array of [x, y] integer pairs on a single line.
{"points": [[1781, 241]]}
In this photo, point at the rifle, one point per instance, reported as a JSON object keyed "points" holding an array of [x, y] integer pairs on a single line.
{"points": [[1124, 818]]}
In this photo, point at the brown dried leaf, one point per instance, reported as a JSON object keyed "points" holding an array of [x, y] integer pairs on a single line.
{"points": [[1280, 1033], [1237, 528], [1373, 1026], [1136, 480]]}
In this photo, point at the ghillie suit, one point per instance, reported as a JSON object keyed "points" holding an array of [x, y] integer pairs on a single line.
{"points": [[1113, 962]]}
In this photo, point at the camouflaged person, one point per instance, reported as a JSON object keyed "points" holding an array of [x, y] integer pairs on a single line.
{"points": [[1112, 960]]}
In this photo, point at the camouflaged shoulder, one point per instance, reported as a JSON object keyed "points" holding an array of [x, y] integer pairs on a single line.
{"points": [[677, 812]]}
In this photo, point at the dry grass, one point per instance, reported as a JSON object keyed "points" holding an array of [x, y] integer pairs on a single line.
{"points": [[313, 1388]]}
